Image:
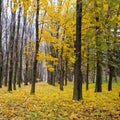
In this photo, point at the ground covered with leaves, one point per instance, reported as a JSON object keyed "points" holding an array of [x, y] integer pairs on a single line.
{"points": [[49, 103]]}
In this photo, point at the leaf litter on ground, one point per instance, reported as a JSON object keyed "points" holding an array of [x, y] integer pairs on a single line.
{"points": [[49, 103]]}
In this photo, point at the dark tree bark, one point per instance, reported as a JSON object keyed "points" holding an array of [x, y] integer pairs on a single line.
{"points": [[17, 53], [26, 64], [112, 53], [111, 70], [11, 44], [61, 71], [1, 52], [94, 69], [51, 75], [66, 72], [77, 92], [7, 52], [98, 87], [87, 79], [36, 51], [109, 52], [26, 74]]}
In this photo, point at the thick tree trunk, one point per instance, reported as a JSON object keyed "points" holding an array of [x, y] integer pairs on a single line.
{"points": [[77, 92], [98, 87], [1, 52], [11, 52], [16, 54], [110, 52], [7, 54]]}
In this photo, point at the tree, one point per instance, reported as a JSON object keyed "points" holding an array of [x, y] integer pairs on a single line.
{"points": [[112, 52], [11, 47], [87, 74], [77, 93], [98, 87], [17, 53], [7, 53], [1, 52], [36, 50], [21, 53], [109, 51]]}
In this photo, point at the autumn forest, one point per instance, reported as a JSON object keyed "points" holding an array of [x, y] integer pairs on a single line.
{"points": [[59, 59]]}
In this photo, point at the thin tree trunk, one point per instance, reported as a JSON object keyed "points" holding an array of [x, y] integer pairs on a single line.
{"points": [[87, 79], [110, 78], [7, 68], [26, 65], [94, 69], [61, 71], [21, 52], [66, 72], [36, 51]]}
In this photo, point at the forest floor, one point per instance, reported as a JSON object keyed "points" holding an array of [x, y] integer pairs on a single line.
{"points": [[49, 103]]}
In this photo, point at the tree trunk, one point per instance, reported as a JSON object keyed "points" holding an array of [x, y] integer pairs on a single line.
{"points": [[11, 44], [66, 72], [36, 51], [109, 52], [77, 92], [87, 79], [16, 53], [61, 71], [110, 78], [7, 68], [7, 54], [1, 52], [21, 52], [98, 87], [49, 77]]}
